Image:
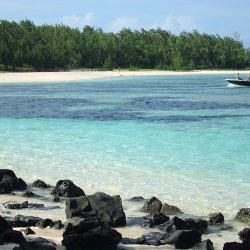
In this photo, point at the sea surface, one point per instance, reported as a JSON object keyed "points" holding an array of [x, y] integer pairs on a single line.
{"points": [[184, 139]]}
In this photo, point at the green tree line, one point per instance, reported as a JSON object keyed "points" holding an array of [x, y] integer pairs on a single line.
{"points": [[49, 47]]}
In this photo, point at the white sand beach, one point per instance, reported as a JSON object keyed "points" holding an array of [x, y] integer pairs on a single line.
{"points": [[36, 77]]}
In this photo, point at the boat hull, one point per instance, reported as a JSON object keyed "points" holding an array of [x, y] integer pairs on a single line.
{"points": [[239, 82]]}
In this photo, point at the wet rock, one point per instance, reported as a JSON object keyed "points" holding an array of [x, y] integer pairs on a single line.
{"points": [[28, 231], [29, 194], [79, 226], [183, 239], [235, 246], [103, 238], [197, 224], [243, 215], [108, 208], [66, 188], [8, 172], [215, 219], [153, 205], [58, 224], [14, 182], [9, 182], [178, 224], [45, 223], [170, 209], [155, 238], [245, 236], [136, 199], [204, 245], [137, 241], [56, 199], [5, 188], [24, 221], [12, 236], [23, 205], [40, 184], [4, 225], [36, 244], [149, 221]]}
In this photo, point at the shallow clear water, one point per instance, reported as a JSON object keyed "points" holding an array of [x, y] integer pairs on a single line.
{"points": [[184, 139]]}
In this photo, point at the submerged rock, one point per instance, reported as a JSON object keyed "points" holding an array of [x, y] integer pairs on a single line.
{"points": [[153, 205], [24, 221], [40, 184], [66, 188], [170, 209], [243, 215], [136, 199], [23, 205], [215, 218]]}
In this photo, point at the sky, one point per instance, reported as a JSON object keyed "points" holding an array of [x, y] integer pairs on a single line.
{"points": [[222, 17]]}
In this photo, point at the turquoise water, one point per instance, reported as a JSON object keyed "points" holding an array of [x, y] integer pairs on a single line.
{"points": [[184, 139]]}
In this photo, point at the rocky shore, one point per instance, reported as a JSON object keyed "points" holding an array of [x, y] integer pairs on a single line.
{"points": [[95, 222]]}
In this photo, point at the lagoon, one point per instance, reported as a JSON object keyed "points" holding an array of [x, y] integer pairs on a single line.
{"points": [[184, 139]]}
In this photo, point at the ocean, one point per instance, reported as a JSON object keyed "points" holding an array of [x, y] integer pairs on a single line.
{"points": [[184, 139]]}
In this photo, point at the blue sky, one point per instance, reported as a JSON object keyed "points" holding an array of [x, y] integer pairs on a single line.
{"points": [[223, 17]]}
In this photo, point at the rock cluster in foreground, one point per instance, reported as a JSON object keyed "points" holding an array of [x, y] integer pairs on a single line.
{"points": [[91, 220]]}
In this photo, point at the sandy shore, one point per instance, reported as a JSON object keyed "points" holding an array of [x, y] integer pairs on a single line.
{"points": [[31, 77]]}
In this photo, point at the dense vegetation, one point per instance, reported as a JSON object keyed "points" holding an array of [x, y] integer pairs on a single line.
{"points": [[60, 47]]}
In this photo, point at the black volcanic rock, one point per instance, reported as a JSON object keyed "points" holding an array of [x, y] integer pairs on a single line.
{"points": [[45, 223], [235, 246], [24, 221], [245, 236], [4, 225], [153, 205], [66, 188], [12, 236], [100, 238], [36, 244], [23, 205], [108, 208], [178, 224], [204, 245], [7, 172], [9, 182], [183, 239], [149, 221]]}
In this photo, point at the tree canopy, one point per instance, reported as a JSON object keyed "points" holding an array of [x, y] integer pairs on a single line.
{"points": [[50, 47]]}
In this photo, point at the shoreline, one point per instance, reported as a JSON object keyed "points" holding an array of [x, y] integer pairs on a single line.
{"points": [[219, 233], [71, 76]]}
